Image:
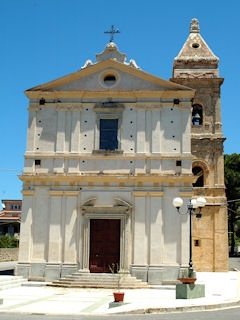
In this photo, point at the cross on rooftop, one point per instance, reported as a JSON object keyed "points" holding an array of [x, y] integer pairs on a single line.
{"points": [[112, 32]]}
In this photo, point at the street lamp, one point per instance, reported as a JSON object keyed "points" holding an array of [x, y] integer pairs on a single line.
{"points": [[192, 205]]}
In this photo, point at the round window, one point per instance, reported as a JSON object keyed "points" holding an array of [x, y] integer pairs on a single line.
{"points": [[109, 80]]}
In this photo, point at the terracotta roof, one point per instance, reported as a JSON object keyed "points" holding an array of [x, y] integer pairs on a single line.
{"points": [[9, 218]]}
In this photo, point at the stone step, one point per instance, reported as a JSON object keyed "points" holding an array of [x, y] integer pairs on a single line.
{"points": [[7, 282], [98, 280], [102, 278], [79, 284]]}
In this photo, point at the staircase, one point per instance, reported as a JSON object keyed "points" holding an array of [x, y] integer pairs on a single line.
{"points": [[7, 282], [99, 280]]}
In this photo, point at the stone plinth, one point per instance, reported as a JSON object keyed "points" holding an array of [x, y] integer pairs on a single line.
{"points": [[190, 291]]}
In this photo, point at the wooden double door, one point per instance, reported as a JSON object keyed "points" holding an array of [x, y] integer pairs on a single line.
{"points": [[104, 244]]}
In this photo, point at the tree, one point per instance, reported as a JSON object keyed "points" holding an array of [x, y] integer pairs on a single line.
{"points": [[7, 241], [232, 183]]}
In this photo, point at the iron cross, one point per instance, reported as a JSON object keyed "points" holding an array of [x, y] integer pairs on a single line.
{"points": [[112, 32]]}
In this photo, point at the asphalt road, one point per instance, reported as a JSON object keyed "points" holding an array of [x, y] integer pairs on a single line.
{"points": [[222, 314]]}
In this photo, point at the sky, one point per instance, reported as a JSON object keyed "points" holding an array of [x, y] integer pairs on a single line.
{"points": [[42, 40]]}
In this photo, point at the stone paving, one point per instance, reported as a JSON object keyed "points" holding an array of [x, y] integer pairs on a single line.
{"points": [[222, 290]]}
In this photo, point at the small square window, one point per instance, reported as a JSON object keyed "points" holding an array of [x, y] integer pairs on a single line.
{"points": [[178, 163], [196, 243], [37, 162]]}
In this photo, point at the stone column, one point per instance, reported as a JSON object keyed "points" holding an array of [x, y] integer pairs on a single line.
{"points": [[55, 238], [69, 227], [140, 238], [53, 266], [70, 235], [75, 135], [140, 134], [156, 130], [25, 244], [40, 233], [85, 247], [60, 141], [31, 130]]}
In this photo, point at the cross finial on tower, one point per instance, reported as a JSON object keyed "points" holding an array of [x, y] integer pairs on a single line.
{"points": [[112, 32]]}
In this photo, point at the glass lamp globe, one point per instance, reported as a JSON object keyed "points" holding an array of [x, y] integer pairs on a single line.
{"points": [[201, 201], [177, 202], [194, 203]]}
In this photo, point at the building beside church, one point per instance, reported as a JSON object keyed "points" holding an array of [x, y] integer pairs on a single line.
{"points": [[10, 217], [108, 148]]}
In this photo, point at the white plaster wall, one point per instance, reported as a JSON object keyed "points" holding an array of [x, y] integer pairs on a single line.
{"points": [[31, 132], [171, 130], [176, 231], [25, 245], [40, 227], [128, 131], [156, 131], [75, 132], [70, 228], [55, 228], [46, 131], [142, 132], [140, 242], [88, 128], [156, 243], [186, 128]]}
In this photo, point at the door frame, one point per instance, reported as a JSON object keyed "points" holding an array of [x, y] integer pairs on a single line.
{"points": [[116, 235], [121, 211]]}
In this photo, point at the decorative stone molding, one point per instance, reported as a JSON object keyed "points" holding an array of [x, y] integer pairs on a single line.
{"points": [[148, 194], [121, 210], [64, 193], [28, 193]]}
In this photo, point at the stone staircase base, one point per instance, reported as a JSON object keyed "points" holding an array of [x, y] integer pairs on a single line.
{"points": [[7, 282], [99, 280]]}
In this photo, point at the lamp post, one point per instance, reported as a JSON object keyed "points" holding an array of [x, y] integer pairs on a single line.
{"points": [[192, 205]]}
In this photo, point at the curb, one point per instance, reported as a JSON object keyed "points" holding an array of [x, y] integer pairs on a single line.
{"points": [[183, 308]]}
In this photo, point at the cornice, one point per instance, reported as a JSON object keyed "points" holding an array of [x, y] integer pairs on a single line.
{"points": [[110, 155], [131, 94], [107, 178]]}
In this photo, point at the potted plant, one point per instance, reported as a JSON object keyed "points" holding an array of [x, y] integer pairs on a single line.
{"points": [[115, 269], [187, 275]]}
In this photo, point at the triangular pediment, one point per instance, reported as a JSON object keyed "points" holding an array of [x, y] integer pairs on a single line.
{"points": [[109, 75]]}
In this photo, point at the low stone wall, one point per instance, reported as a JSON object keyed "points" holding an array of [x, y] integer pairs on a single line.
{"points": [[8, 254]]}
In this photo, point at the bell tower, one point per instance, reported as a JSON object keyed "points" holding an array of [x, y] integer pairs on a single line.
{"points": [[196, 67]]}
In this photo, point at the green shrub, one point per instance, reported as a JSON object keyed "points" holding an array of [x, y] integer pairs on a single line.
{"points": [[8, 242]]}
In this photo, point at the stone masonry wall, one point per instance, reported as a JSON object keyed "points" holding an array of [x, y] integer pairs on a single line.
{"points": [[8, 254]]}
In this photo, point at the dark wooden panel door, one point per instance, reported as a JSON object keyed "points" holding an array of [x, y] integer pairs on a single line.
{"points": [[104, 244]]}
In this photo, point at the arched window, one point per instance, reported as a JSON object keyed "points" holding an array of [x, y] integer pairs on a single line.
{"points": [[198, 171], [197, 115]]}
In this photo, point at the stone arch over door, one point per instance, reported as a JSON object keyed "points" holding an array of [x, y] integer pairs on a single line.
{"points": [[120, 210]]}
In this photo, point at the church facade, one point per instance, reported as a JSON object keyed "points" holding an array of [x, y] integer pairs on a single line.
{"points": [[108, 148]]}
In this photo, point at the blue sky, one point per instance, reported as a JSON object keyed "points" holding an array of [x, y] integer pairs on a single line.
{"points": [[42, 40]]}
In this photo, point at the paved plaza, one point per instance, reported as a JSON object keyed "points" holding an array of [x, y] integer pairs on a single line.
{"points": [[222, 290]]}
